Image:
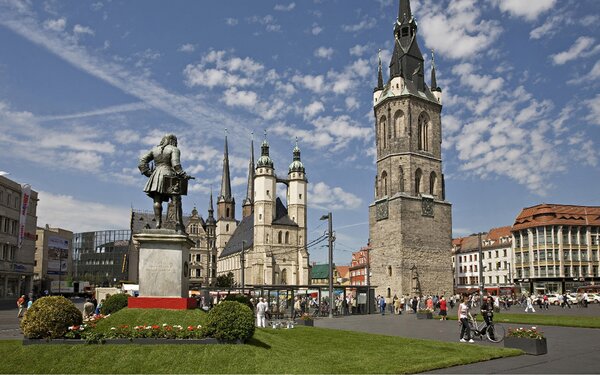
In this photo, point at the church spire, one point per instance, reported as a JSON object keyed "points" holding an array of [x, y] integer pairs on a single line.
{"points": [[211, 211], [404, 11], [434, 86], [407, 59], [225, 202], [379, 73], [248, 202]]}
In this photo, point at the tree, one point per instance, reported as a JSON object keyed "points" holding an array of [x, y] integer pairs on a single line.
{"points": [[225, 281]]}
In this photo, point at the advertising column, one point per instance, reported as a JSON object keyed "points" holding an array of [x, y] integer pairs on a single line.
{"points": [[58, 257]]}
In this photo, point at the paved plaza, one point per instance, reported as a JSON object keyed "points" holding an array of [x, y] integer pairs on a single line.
{"points": [[570, 350]]}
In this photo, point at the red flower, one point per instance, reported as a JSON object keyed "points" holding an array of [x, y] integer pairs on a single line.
{"points": [[155, 327], [190, 328]]}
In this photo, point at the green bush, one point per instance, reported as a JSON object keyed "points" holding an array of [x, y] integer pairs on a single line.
{"points": [[114, 303], [230, 321], [50, 318], [241, 299]]}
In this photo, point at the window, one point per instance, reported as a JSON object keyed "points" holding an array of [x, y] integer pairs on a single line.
{"points": [[433, 184], [504, 253], [384, 188], [382, 131], [418, 175], [389, 270], [279, 237], [400, 180], [405, 31], [287, 237], [423, 131], [398, 123]]}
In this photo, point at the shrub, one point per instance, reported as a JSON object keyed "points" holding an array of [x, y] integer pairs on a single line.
{"points": [[230, 321], [241, 299], [114, 303], [532, 333], [50, 318]]}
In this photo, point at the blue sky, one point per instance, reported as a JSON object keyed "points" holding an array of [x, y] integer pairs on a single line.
{"points": [[86, 87]]}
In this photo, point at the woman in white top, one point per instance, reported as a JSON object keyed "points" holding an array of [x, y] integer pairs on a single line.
{"points": [[463, 318]]}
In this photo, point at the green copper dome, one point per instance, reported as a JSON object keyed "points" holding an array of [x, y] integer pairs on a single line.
{"points": [[296, 165], [265, 159]]}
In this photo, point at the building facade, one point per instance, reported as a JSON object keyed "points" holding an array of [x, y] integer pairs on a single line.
{"points": [[556, 247], [410, 221], [269, 243], [53, 257], [17, 238], [101, 257], [359, 266], [495, 266]]}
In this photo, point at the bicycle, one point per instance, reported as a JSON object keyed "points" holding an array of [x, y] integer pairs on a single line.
{"points": [[494, 332]]}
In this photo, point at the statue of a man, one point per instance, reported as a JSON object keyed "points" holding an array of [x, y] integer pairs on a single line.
{"points": [[166, 157]]}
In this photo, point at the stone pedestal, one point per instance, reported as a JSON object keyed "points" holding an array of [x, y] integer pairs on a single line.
{"points": [[163, 269]]}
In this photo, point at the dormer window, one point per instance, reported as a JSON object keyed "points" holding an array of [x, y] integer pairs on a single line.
{"points": [[405, 31]]}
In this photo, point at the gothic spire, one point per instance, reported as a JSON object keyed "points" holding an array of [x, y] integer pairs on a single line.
{"points": [[211, 210], [250, 188], [404, 10], [379, 73], [225, 178], [434, 86]]}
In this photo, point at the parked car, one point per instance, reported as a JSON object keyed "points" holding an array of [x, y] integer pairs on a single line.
{"points": [[593, 298], [553, 299]]}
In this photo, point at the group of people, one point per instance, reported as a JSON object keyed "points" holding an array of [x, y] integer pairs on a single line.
{"points": [[396, 305], [23, 304], [487, 312]]}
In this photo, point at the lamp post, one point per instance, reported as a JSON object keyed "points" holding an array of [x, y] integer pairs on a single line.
{"points": [[331, 239], [242, 260], [481, 280]]}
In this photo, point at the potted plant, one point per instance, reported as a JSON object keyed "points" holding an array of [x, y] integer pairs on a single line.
{"points": [[424, 314], [306, 320], [531, 341]]}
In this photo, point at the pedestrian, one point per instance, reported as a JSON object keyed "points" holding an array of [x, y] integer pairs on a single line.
{"points": [[29, 303], [584, 299], [443, 308], [382, 305], [415, 303], [529, 307], [297, 308], [397, 307], [463, 318], [21, 306], [261, 309], [88, 309]]}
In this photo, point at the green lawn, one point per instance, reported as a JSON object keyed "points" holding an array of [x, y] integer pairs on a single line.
{"points": [[298, 350], [544, 320]]}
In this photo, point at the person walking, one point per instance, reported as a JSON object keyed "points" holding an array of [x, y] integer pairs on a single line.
{"points": [[261, 309], [21, 306], [382, 305], [443, 308], [463, 318], [529, 305], [88, 309]]}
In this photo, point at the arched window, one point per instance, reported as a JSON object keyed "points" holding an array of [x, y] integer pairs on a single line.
{"points": [[389, 270], [287, 237], [384, 188], [227, 228], [400, 179], [267, 238], [227, 214], [284, 276], [389, 293], [382, 131], [398, 124], [418, 176], [432, 183], [300, 240], [423, 131], [279, 237]]}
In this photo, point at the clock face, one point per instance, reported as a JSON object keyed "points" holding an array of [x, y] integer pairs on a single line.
{"points": [[381, 210], [427, 206]]}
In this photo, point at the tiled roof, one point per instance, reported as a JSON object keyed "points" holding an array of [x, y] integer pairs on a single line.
{"points": [[281, 215], [244, 232], [343, 271], [496, 233], [557, 214]]}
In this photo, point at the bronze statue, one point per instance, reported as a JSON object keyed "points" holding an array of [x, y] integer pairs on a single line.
{"points": [[166, 179]]}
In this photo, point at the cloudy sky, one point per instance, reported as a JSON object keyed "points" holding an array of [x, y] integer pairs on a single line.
{"points": [[86, 87]]}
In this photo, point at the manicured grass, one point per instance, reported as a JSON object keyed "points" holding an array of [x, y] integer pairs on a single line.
{"points": [[298, 350], [544, 320]]}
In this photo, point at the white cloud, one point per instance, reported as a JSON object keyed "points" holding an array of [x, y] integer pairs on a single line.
{"points": [[227, 71], [529, 10], [365, 24], [231, 21], [188, 47], [324, 53], [313, 83], [313, 109], [352, 103], [285, 8], [477, 82], [80, 30], [64, 211], [316, 29], [322, 195], [267, 21], [552, 25], [593, 106], [359, 50], [457, 30], [55, 25], [240, 98], [98, 112], [582, 44]]}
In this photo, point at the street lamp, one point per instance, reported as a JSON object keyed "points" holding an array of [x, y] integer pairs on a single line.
{"points": [[481, 280], [330, 233], [242, 261]]}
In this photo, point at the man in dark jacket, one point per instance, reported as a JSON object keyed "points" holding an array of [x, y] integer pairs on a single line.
{"points": [[487, 312]]}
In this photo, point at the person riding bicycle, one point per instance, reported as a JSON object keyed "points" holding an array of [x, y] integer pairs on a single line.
{"points": [[487, 312]]}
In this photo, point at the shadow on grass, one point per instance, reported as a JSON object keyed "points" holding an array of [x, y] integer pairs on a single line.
{"points": [[259, 344]]}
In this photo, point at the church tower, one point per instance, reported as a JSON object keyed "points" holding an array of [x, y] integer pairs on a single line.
{"points": [[296, 200], [226, 222], [410, 222], [248, 204], [211, 261]]}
